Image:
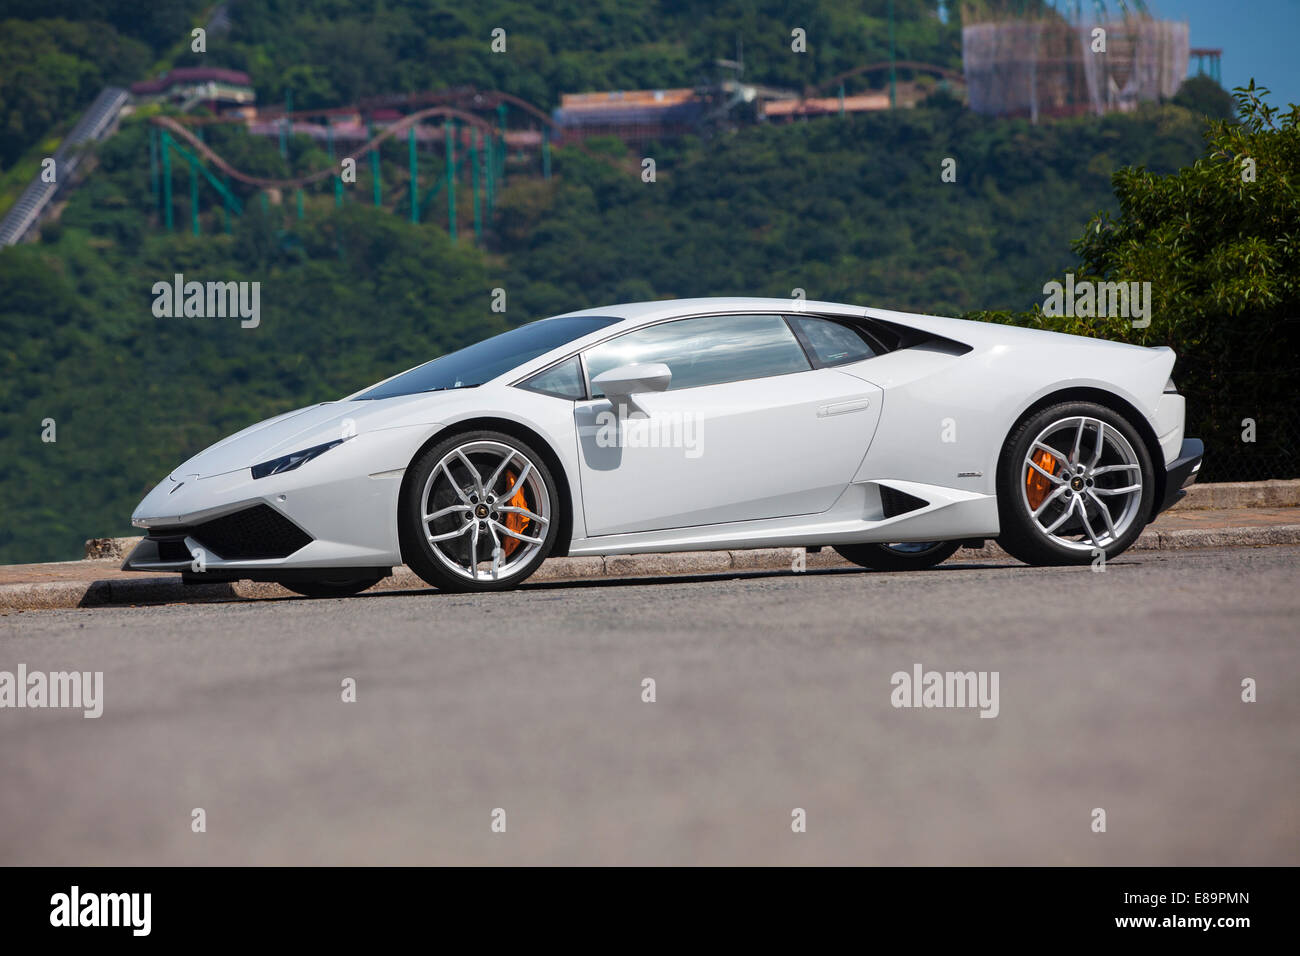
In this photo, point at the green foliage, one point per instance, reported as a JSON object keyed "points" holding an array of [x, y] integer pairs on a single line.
{"points": [[1219, 241], [330, 53], [50, 69], [1205, 97]]}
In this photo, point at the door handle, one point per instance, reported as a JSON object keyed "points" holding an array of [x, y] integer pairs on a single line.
{"points": [[843, 408]]}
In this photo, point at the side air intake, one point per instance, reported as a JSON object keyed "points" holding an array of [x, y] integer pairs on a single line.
{"points": [[895, 502]]}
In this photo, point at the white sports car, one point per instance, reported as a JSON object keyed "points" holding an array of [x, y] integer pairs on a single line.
{"points": [[688, 425]]}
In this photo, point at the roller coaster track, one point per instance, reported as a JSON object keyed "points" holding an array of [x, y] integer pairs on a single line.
{"points": [[179, 130], [915, 65], [480, 100]]}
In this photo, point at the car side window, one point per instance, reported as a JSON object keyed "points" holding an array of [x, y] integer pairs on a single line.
{"points": [[830, 343], [562, 381], [709, 350]]}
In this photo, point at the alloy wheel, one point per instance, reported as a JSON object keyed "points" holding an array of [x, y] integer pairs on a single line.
{"points": [[485, 510], [1081, 483]]}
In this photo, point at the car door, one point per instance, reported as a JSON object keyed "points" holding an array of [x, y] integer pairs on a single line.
{"points": [[747, 428]]}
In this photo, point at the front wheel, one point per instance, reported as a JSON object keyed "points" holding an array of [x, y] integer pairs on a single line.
{"points": [[480, 512], [899, 556], [1074, 480]]}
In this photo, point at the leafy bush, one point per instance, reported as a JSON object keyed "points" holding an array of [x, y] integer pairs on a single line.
{"points": [[1219, 241]]}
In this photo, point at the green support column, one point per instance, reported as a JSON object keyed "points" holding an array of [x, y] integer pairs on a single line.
{"points": [[546, 152], [474, 172], [501, 112], [338, 190], [194, 195], [225, 204], [489, 172], [153, 166], [451, 179], [415, 175], [167, 179], [374, 166], [298, 191], [893, 86]]}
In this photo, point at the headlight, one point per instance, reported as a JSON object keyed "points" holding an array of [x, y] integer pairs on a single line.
{"points": [[289, 462], [1170, 387]]}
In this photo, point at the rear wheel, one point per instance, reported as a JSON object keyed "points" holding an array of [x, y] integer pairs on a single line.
{"points": [[345, 587], [479, 513], [1074, 479], [899, 556]]}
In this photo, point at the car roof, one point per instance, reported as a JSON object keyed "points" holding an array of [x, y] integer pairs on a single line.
{"points": [[636, 313]]}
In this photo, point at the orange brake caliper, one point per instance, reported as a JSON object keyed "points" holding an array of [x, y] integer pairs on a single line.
{"points": [[1036, 485], [514, 521]]}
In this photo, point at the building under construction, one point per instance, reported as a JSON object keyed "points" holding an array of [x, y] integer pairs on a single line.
{"points": [[1038, 58]]}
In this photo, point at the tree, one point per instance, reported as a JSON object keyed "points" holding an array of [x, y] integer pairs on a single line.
{"points": [[1219, 241]]}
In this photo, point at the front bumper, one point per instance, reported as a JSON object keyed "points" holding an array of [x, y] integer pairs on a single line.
{"points": [[1181, 472]]}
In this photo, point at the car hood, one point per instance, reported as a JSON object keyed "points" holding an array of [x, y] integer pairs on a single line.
{"points": [[306, 428]]}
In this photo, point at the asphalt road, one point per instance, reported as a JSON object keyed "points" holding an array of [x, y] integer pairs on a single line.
{"points": [[1118, 690]]}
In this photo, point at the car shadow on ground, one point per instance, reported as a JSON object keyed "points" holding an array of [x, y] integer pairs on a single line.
{"points": [[225, 593], [705, 578]]}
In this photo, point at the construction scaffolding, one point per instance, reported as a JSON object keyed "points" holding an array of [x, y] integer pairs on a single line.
{"points": [[1047, 63]]}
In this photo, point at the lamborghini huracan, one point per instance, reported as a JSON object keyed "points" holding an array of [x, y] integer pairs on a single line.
{"points": [[686, 425]]}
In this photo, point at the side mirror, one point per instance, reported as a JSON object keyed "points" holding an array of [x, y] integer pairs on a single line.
{"points": [[627, 380]]}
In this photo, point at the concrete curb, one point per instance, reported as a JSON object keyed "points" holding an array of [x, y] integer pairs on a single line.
{"points": [[1230, 495], [170, 590]]}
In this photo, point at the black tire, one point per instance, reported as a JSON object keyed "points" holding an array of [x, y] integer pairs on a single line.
{"points": [[419, 553], [908, 556], [331, 589], [1025, 538]]}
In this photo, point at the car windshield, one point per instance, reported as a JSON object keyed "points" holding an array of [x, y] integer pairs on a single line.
{"points": [[484, 361]]}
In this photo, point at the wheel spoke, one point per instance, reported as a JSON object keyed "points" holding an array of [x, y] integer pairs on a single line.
{"points": [[496, 475], [448, 535], [1078, 441], [455, 485], [1105, 513], [1107, 469], [1083, 513], [515, 534], [450, 510], [1129, 489], [478, 479], [1044, 472], [511, 509], [1048, 500], [473, 549], [518, 482], [1101, 443], [1064, 515], [496, 551], [1039, 446]]}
